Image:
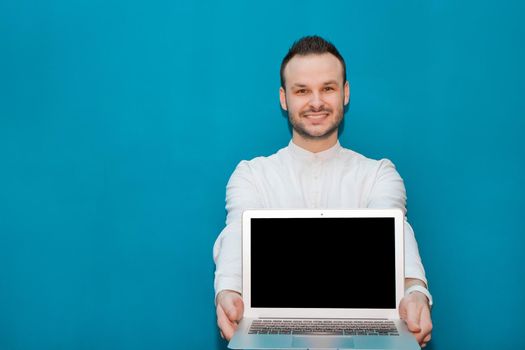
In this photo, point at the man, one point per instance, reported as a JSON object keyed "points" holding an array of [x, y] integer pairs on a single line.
{"points": [[314, 171]]}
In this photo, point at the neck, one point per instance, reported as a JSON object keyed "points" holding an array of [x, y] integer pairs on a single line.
{"points": [[314, 145]]}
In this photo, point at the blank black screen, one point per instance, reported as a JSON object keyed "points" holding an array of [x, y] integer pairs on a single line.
{"points": [[323, 263]]}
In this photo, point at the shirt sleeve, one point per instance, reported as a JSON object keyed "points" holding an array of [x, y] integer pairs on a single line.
{"points": [[388, 191], [241, 194]]}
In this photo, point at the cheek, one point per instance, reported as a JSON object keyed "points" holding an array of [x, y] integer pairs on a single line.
{"points": [[335, 100], [296, 104]]}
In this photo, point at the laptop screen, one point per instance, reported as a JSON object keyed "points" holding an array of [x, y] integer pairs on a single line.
{"points": [[323, 263]]}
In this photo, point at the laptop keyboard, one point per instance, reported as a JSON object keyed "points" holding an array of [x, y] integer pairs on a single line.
{"points": [[323, 327]]}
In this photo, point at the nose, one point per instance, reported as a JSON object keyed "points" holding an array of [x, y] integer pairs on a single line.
{"points": [[316, 102]]}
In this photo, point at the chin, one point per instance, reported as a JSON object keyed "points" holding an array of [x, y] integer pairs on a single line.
{"points": [[319, 135]]}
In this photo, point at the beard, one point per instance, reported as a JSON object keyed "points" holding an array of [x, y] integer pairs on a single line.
{"points": [[302, 129]]}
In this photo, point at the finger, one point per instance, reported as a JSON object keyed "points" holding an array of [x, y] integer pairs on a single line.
{"points": [[227, 328], [239, 307], [225, 325], [426, 340], [413, 317], [426, 324], [403, 309]]}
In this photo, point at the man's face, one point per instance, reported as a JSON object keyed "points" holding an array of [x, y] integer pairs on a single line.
{"points": [[315, 95]]}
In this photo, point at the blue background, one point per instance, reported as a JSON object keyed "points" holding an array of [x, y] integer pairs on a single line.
{"points": [[121, 121]]}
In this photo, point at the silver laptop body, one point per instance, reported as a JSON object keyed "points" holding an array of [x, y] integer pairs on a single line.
{"points": [[322, 279]]}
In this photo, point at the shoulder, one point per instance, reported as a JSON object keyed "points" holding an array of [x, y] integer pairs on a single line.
{"points": [[264, 163], [256, 169], [358, 161]]}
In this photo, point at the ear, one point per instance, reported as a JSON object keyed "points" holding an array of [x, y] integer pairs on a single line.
{"points": [[347, 92], [282, 98]]}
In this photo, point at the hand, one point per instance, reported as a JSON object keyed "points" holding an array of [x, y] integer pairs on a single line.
{"points": [[414, 310], [230, 309]]}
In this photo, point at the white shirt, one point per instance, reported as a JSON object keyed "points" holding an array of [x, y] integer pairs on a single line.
{"points": [[296, 178]]}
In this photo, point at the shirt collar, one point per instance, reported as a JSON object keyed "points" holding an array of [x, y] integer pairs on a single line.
{"points": [[303, 154]]}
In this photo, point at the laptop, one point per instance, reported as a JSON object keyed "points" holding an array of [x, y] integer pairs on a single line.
{"points": [[322, 279]]}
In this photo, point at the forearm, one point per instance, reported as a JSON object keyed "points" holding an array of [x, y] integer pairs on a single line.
{"points": [[227, 256], [241, 193], [409, 282], [388, 191]]}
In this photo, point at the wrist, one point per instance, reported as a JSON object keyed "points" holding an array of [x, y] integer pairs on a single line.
{"points": [[422, 290], [223, 292]]}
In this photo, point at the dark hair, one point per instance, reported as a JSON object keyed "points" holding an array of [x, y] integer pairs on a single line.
{"points": [[311, 45]]}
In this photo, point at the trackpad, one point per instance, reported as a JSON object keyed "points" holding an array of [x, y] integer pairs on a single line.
{"points": [[322, 342]]}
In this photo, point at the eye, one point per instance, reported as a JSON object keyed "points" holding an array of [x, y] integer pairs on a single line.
{"points": [[328, 88], [301, 91]]}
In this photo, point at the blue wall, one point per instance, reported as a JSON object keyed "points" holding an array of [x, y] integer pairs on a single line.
{"points": [[121, 121]]}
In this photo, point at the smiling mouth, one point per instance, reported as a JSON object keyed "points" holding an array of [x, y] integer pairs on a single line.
{"points": [[316, 116]]}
